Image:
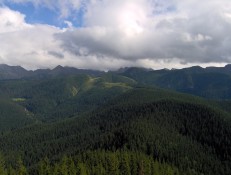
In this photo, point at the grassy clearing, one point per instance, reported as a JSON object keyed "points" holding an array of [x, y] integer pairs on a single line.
{"points": [[111, 85], [18, 99], [74, 91]]}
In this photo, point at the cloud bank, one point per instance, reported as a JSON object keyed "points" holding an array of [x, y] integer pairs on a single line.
{"points": [[149, 33]]}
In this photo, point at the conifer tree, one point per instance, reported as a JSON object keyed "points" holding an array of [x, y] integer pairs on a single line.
{"points": [[147, 166], [82, 169], [124, 165], [71, 167], [63, 166], [141, 168], [155, 168], [113, 165], [2, 165], [21, 169], [55, 170], [99, 170], [44, 167], [133, 165], [11, 171]]}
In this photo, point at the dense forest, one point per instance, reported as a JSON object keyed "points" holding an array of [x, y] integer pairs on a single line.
{"points": [[69, 122]]}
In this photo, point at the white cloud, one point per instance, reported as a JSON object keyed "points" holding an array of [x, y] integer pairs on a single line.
{"points": [[150, 33], [25, 44], [34, 46], [11, 21], [132, 30]]}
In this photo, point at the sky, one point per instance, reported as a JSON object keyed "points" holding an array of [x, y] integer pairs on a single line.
{"points": [[110, 34]]}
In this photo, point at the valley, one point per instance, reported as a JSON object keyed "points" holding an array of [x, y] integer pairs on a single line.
{"points": [[130, 121]]}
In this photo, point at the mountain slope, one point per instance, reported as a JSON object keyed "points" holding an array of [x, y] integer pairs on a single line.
{"points": [[17, 72], [172, 129], [12, 72], [48, 116], [62, 97], [13, 116], [212, 83]]}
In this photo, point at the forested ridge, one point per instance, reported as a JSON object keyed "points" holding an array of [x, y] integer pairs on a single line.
{"points": [[109, 124]]}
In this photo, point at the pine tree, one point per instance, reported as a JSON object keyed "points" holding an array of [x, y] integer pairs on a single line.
{"points": [[124, 165], [147, 167], [63, 166], [133, 165], [21, 169], [155, 168], [141, 168], [113, 165], [82, 169], [99, 170], [11, 171], [71, 167], [44, 167], [55, 170], [2, 166]]}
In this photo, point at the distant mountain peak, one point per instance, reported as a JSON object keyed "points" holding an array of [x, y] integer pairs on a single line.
{"points": [[228, 66], [5, 66], [1, 65], [58, 67], [12, 72]]}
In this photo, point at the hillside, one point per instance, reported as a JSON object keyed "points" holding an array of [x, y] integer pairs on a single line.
{"points": [[167, 126], [13, 116], [121, 122], [211, 82], [17, 72], [62, 97], [12, 72]]}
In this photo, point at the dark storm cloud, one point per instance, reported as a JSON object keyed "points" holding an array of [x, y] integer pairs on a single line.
{"points": [[56, 54]]}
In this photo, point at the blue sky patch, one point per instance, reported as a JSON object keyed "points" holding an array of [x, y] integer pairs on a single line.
{"points": [[44, 15]]}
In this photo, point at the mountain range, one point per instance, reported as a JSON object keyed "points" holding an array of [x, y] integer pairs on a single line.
{"points": [[129, 121], [210, 82]]}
